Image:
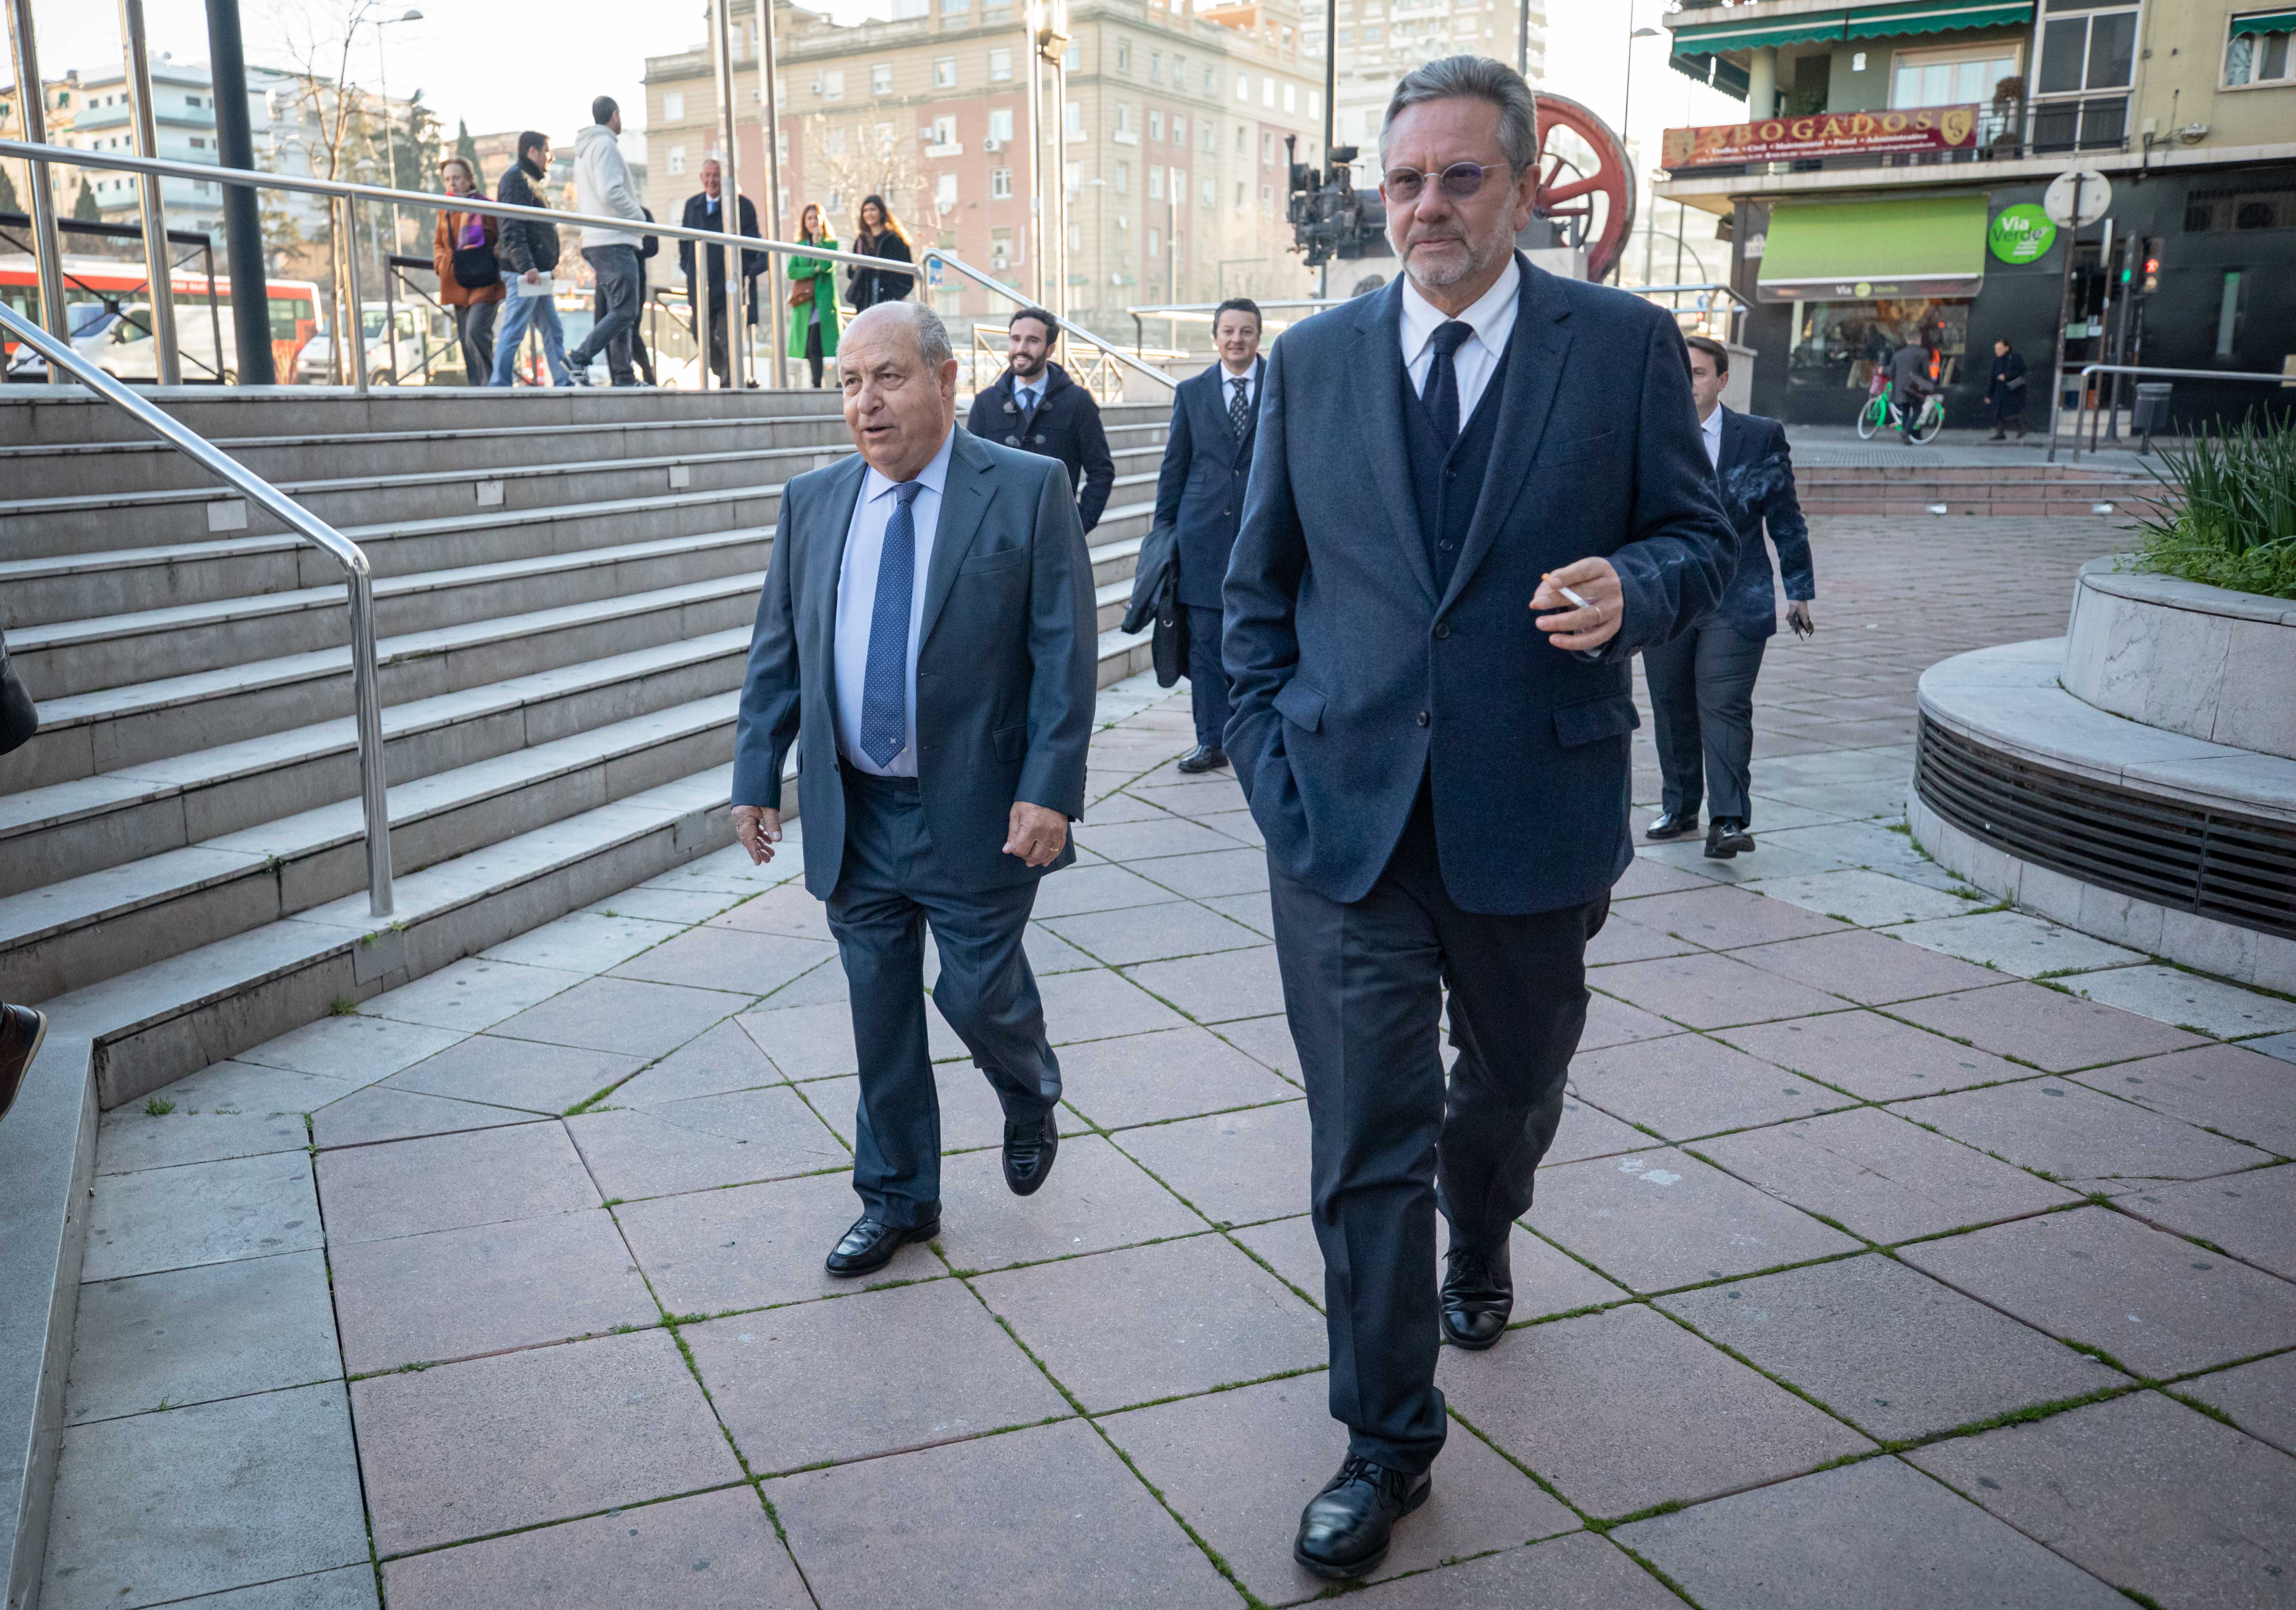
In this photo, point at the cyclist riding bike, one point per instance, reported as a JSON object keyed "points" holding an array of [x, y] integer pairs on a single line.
{"points": [[1919, 421], [1909, 379]]}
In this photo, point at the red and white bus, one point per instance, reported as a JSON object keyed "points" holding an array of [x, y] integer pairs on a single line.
{"points": [[110, 320]]}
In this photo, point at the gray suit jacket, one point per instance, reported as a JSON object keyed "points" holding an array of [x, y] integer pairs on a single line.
{"points": [[1007, 663]]}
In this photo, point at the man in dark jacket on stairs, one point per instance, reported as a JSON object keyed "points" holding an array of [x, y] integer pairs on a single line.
{"points": [[529, 251], [1036, 407]]}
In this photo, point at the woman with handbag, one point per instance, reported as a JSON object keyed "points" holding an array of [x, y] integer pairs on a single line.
{"points": [[813, 296], [879, 236], [469, 277]]}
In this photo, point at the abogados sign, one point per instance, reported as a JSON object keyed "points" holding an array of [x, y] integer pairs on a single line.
{"points": [[1838, 134]]}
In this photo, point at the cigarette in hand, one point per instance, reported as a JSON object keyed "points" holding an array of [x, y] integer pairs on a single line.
{"points": [[1567, 593]]}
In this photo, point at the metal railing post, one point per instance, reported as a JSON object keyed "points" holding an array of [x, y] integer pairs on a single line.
{"points": [[776, 335], [358, 574], [729, 198], [46, 245], [159, 273], [2250, 377], [374, 778], [356, 320]]}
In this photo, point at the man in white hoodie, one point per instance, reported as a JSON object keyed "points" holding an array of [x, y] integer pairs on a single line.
{"points": [[602, 186]]}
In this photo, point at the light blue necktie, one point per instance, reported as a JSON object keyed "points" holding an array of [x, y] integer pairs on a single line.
{"points": [[885, 684]]}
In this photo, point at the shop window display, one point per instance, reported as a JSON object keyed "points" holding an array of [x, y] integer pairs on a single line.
{"points": [[1840, 344]]}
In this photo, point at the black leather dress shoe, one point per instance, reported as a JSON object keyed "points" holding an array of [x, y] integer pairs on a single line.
{"points": [[1343, 1531], [21, 1030], [1478, 1295], [1029, 1147], [1725, 837], [871, 1244], [1672, 826], [1205, 759]]}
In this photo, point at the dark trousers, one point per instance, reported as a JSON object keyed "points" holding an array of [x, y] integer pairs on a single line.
{"points": [[1206, 677], [813, 348], [1702, 689], [719, 330], [615, 268], [2009, 411], [1363, 986], [887, 893], [474, 328]]}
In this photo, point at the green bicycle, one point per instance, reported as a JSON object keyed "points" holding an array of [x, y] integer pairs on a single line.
{"points": [[1881, 412]]}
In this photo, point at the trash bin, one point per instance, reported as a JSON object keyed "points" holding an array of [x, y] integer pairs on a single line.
{"points": [[2152, 412]]}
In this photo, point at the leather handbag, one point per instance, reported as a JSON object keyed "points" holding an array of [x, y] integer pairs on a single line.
{"points": [[474, 264], [19, 718], [802, 291]]}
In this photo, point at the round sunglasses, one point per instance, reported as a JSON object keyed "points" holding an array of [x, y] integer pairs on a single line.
{"points": [[1458, 182]]}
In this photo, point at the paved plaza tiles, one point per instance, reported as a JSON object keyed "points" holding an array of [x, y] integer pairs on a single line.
{"points": [[1896, 1250]]}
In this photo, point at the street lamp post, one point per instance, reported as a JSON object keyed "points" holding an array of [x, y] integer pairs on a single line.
{"points": [[1626, 120], [390, 139]]}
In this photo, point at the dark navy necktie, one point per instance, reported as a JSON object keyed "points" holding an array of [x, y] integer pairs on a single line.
{"points": [[1442, 392], [885, 684]]}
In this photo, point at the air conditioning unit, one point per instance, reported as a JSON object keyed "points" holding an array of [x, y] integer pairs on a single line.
{"points": [[925, 134], [817, 86], [992, 144]]}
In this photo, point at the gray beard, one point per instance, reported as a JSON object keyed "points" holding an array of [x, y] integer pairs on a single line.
{"points": [[1480, 255]]}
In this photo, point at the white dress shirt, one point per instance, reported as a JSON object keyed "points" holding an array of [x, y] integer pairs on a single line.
{"points": [[856, 603], [1228, 378], [1478, 358], [1711, 429]]}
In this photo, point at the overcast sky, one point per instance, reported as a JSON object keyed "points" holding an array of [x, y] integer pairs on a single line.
{"points": [[504, 64]]}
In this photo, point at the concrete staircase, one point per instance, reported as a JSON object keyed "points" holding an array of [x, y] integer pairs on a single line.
{"points": [[564, 587], [1914, 490]]}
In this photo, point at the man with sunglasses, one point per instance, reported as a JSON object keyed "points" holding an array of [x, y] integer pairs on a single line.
{"points": [[1474, 496]]}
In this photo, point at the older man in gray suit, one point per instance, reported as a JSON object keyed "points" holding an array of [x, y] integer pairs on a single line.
{"points": [[926, 638]]}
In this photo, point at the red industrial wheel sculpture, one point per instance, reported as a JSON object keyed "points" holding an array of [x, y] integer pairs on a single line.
{"points": [[1584, 181]]}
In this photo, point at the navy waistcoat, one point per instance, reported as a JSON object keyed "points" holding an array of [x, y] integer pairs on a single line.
{"points": [[1446, 486]]}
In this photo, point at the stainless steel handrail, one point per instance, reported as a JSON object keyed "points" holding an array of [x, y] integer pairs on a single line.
{"points": [[357, 575], [253, 179], [2081, 409]]}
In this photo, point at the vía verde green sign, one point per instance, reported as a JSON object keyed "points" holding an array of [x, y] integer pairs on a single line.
{"points": [[2021, 233]]}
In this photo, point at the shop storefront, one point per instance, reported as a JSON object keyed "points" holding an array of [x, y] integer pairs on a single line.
{"points": [[1861, 279], [1837, 285]]}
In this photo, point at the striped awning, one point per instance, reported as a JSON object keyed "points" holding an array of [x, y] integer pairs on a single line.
{"points": [[1851, 22]]}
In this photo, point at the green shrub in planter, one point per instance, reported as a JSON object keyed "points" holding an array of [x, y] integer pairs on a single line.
{"points": [[2232, 510]]}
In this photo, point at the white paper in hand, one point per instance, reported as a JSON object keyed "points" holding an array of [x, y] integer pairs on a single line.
{"points": [[534, 288]]}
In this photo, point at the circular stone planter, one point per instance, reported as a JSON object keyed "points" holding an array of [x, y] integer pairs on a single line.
{"points": [[2185, 657]]}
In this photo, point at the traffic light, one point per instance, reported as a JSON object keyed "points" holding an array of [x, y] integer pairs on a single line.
{"points": [[2149, 279]]}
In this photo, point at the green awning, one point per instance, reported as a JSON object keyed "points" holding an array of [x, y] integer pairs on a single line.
{"points": [[1853, 22], [1924, 246], [1717, 71], [2265, 22]]}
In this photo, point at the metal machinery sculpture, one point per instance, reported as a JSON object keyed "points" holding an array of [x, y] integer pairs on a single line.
{"points": [[1586, 195]]}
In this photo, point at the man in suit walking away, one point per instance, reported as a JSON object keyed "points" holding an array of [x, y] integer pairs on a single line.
{"points": [[702, 211], [926, 639], [1035, 407], [1701, 683], [1200, 492], [1433, 734]]}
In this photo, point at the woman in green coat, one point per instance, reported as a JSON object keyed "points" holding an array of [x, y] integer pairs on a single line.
{"points": [[813, 297]]}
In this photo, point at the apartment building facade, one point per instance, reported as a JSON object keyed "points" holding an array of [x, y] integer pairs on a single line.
{"points": [[1887, 182], [1170, 143], [1377, 41]]}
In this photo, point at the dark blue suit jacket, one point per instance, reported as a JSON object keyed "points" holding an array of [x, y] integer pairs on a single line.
{"points": [[1756, 476], [1353, 678], [1199, 490], [1007, 663]]}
